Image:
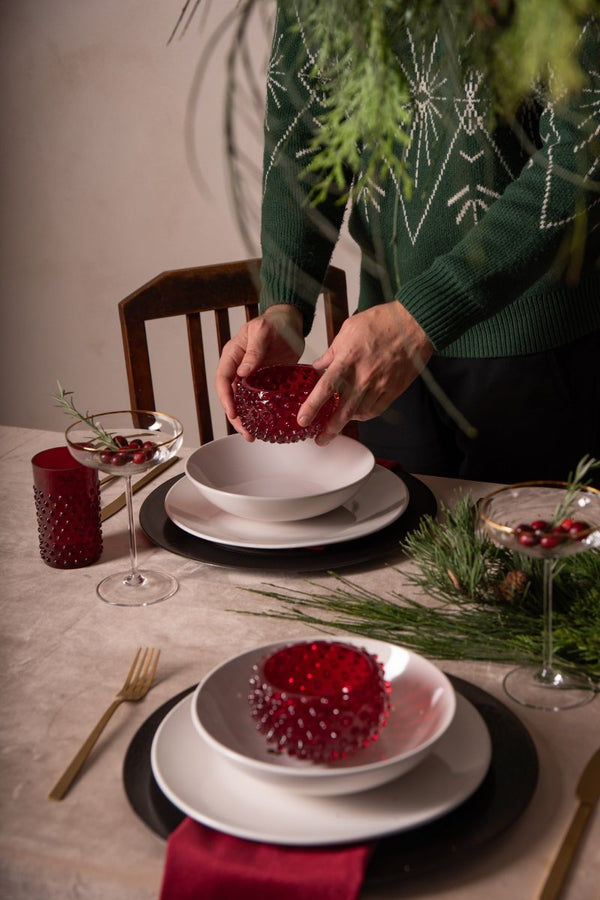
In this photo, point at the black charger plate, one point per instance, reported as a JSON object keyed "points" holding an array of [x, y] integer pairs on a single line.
{"points": [[500, 799], [162, 531]]}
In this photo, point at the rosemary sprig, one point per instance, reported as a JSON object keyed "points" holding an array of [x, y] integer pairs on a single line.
{"points": [[576, 481], [64, 401]]}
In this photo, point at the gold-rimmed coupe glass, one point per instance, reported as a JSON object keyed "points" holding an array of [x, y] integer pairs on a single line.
{"points": [[131, 442], [547, 521]]}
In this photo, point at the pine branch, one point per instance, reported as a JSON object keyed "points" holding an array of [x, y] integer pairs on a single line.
{"points": [[487, 601], [518, 45]]}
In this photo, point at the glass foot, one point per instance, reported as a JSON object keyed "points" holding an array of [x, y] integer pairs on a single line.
{"points": [[548, 689], [143, 589]]}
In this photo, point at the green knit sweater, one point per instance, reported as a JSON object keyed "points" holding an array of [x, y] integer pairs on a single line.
{"points": [[479, 254]]}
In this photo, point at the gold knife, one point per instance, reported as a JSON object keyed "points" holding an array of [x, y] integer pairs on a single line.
{"points": [[588, 791], [119, 502]]}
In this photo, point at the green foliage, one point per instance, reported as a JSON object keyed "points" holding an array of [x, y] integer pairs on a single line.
{"points": [[538, 47], [516, 43], [484, 602], [367, 100], [368, 111]]}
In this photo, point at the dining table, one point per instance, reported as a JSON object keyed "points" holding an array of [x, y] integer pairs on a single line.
{"points": [[65, 654]]}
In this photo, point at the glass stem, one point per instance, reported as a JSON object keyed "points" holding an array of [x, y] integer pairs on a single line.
{"points": [[547, 573], [134, 577]]}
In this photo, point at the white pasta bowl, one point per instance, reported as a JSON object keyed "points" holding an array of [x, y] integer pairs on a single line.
{"points": [[422, 707], [279, 482]]}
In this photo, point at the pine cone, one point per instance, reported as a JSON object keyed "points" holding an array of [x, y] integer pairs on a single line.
{"points": [[513, 586]]}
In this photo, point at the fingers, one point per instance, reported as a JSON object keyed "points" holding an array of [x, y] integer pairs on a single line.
{"points": [[224, 380], [324, 361], [275, 337], [319, 395], [225, 376], [224, 386], [357, 407], [236, 422], [348, 402]]}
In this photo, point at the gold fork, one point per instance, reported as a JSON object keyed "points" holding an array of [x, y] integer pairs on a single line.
{"points": [[136, 686]]}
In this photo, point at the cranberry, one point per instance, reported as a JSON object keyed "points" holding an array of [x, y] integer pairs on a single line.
{"points": [[149, 450], [134, 451], [578, 530], [549, 541], [528, 538], [549, 536], [540, 526]]}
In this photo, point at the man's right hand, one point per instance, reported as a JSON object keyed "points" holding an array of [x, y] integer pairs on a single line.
{"points": [[271, 339]]}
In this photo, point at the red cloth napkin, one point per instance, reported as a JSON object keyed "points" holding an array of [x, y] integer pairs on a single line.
{"points": [[204, 864]]}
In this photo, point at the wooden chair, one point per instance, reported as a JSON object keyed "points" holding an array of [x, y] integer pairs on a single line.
{"points": [[188, 292]]}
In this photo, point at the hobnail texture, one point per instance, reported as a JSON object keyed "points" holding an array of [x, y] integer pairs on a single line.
{"points": [[267, 403], [320, 700], [69, 522]]}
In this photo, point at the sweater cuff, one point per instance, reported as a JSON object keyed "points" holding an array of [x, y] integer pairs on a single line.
{"points": [[283, 281], [441, 307]]}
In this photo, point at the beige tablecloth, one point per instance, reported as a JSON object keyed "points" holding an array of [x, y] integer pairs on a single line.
{"points": [[65, 653]]}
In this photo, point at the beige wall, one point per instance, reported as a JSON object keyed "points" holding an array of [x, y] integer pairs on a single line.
{"points": [[98, 194]]}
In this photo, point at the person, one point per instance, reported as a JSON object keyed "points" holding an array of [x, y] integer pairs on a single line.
{"points": [[475, 348]]}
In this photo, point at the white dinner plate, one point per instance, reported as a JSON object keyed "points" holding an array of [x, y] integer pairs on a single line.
{"points": [[208, 788], [381, 500]]}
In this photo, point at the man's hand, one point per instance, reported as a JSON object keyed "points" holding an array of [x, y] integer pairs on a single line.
{"points": [[271, 339], [376, 355]]}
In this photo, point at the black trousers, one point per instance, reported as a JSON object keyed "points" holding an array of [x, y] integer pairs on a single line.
{"points": [[535, 416]]}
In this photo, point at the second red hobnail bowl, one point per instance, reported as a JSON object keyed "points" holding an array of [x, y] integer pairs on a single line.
{"points": [[319, 700]]}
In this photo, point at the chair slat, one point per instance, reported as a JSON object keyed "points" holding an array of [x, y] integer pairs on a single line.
{"points": [[223, 328], [199, 379]]}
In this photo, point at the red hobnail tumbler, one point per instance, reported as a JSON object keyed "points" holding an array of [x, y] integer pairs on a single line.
{"points": [[67, 503], [319, 700], [267, 403]]}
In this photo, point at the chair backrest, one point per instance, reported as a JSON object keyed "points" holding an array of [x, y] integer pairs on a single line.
{"points": [[189, 292]]}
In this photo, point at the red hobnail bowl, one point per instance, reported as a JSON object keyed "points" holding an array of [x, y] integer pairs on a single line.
{"points": [[267, 403], [319, 700]]}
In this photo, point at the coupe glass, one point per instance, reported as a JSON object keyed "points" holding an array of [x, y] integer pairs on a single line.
{"points": [[128, 443], [548, 521]]}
